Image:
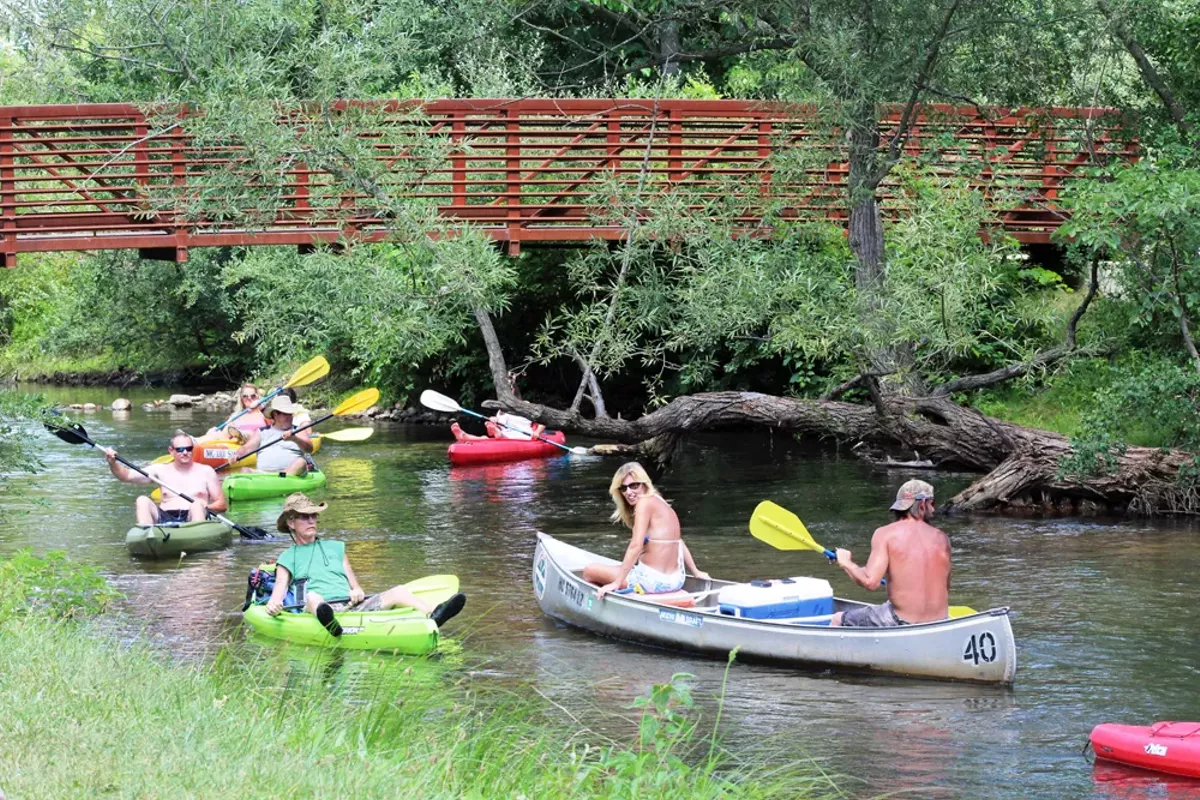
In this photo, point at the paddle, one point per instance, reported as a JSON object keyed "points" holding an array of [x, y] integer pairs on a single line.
{"points": [[74, 433], [348, 435], [309, 373], [430, 584], [351, 405], [783, 530], [439, 402]]}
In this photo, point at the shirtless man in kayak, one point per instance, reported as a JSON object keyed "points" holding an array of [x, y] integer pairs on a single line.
{"points": [[198, 481], [287, 451], [656, 556], [330, 584], [915, 557]]}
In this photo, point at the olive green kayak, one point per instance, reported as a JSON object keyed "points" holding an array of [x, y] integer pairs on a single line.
{"points": [[253, 485], [399, 630], [173, 539]]}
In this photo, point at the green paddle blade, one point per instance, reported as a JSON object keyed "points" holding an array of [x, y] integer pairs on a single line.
{"points": [[781, 529], [309, 373], [348, 435], [961, 611], [356, 403]]}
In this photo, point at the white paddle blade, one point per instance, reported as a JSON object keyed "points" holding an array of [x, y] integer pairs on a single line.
{"points": [[439, 402], [579, 451]]}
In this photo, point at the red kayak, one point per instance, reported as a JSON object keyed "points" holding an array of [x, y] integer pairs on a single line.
{"points": [[1170, 747], [484, 451]]}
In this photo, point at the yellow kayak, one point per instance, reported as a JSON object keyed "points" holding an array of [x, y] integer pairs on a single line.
{"points": [[217, 452]]}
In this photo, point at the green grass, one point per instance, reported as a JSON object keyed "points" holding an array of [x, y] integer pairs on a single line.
{"points": [[1058, 403], [88, 716], [27, 363], [1062, 402]]}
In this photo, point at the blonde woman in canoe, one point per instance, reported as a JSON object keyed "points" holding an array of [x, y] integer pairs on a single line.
{"points": [[656, 556]]}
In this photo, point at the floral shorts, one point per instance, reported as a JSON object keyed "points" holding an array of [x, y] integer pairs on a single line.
{"points": [[651, 581]]}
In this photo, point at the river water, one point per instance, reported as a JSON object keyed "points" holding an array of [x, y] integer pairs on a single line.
{"points": [[1103, 611]]}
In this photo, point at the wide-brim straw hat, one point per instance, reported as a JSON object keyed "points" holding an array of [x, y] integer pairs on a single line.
{"points": [[282, 404], [297, 503]]}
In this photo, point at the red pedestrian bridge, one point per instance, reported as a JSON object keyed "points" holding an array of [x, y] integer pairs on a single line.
{"points": [[525, 172]]}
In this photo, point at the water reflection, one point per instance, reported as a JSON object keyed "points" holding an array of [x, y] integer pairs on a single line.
{"points": [[1116, 782]]}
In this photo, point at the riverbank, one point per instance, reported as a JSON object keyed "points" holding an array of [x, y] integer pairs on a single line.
{"points": [[85, 715]]}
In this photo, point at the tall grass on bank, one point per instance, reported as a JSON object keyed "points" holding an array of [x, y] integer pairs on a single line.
{"points": [[83, 714]]}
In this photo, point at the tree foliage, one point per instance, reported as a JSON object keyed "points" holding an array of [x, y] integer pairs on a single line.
{"points": [[690, 299]]}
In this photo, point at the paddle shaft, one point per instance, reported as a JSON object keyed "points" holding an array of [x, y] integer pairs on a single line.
{"points": [[222, 518], [539, 437]]}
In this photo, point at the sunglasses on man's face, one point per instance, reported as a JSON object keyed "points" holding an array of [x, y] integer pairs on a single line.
{"points": [[633, 486], [187, 448], [306, 517]]}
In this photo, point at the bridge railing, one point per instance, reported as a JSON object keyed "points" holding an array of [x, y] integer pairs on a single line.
{"points": [[104, 176]]}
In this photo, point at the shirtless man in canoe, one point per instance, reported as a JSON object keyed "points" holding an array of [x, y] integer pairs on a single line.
{"points": [[195, 480], [915, 558]]}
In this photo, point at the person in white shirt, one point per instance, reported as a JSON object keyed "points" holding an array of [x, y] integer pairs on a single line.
{"points": [[503, 426]]}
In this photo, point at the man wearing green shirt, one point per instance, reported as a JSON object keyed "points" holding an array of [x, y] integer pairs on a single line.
{"points": [[329, 582]]}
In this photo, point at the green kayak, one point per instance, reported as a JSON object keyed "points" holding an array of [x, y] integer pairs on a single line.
{"points": [[170, 540], [253, 485], [399, 630]]}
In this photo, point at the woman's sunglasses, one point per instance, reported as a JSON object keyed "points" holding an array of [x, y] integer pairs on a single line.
{"points": [[249, 397], [635, 485]]}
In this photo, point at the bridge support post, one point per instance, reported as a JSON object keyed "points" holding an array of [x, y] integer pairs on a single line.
{"points": [[8, 195]]}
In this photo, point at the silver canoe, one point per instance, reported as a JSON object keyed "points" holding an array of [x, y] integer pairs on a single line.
{"points": [[979, 647]]}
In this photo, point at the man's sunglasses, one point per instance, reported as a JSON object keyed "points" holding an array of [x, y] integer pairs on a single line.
{"points": [[625, 487], [187, 448]]}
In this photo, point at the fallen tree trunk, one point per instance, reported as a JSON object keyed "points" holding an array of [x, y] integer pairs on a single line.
{"points": [[1022, 465]]}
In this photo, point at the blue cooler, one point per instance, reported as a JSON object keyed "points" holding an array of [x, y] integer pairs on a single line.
{"points": [[801, 600]]}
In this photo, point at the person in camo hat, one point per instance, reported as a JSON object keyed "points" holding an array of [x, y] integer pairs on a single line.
{"points": [[329, 583], [913, 555]]}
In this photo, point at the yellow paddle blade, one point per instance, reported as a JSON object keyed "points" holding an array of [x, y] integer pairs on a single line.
{"points": [[312, 371], [433, 583], [165, 458], [356, 403], [348, 435], [781, 529], [961, 611]]}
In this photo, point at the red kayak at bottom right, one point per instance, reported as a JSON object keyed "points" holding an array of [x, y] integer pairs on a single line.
{"points": [[1170, 747]]}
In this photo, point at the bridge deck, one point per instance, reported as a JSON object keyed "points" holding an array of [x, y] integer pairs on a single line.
{"points": [[91, 177]]}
